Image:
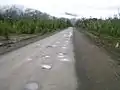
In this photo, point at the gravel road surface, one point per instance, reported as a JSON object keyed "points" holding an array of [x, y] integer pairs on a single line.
{"points": [[47, 64], [64, 61]]}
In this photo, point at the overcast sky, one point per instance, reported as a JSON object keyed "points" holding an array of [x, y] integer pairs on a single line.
{"points": [[85, 8]]}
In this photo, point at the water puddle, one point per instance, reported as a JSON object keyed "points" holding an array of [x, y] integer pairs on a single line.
{"points": [[60, 53], [46, 66], [66, 41], [29, 59], [47, 56], [38, 44], [49, 46], [70, 34], [57, 42], [61, 56], [65, 35], [64, 47], [64, 59], [31, 86], [54, 45]]}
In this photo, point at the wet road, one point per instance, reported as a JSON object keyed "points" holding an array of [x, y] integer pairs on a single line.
{"points": [[47, 64], [95, 68]]}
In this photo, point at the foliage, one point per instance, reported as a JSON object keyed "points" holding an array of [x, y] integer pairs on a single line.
{"points": [[16, 21], [110, 26]]}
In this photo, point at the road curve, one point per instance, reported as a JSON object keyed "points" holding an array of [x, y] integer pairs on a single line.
{"points": [[47, 64]]}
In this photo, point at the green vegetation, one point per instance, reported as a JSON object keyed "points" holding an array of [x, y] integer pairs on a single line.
{"points": [[29, 21], [109, 26], [108, 30]]}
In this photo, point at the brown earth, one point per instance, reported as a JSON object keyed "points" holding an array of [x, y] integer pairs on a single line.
{"points": [[96, 70]]}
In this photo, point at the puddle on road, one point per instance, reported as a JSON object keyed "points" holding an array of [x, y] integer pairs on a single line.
{"points": [[29, 59], [66, 41], [61, 56], [60, 53], [31, 86], [51, 46], [46, 66], [64, 59], [64, 47], [45, 56], [54, 45], [65, 35], [57, 42], [37, 45]]}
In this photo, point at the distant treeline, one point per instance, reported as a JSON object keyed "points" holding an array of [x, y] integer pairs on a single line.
{"points": [[14, 20], [110, 26]]}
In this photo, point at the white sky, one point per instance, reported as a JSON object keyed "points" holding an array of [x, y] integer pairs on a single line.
{"points": [[85, 8]]}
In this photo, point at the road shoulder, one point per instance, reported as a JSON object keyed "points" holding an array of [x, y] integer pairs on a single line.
{"points": [[13, 46], [95, 69]]}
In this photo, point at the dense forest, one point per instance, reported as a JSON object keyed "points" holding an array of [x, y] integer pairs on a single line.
{"points": [[14, 20]]}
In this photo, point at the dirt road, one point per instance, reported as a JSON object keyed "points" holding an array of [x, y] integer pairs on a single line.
{"points": [[49, 64], [94, 67], [44, 65]]}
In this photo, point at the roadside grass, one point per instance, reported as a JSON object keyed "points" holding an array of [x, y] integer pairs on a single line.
{"points": [[18, 41]]}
